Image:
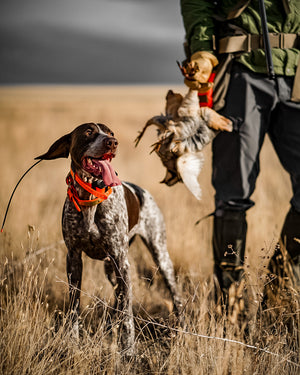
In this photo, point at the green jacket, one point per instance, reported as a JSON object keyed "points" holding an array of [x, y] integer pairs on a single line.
{"points": [[200, 25]]}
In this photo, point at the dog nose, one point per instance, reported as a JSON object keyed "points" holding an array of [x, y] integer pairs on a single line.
{"points": [[111, 142]]}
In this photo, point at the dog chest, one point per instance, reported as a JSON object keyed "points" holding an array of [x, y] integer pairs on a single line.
{"points": [[96, 231]]}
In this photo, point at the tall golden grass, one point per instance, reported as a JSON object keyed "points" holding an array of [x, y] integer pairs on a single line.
{"points": [[35, 338]]}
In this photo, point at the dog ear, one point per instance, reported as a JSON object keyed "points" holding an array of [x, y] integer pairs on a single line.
{"points": [[59, 149]]}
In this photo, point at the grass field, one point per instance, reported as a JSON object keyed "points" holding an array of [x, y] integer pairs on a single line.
{"points": [[34, 331]]}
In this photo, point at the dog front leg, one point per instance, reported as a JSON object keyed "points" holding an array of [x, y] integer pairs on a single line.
{"points": [[123, 303], [74, 273]]}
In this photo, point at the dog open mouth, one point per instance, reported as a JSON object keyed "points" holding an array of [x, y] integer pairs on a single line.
{"points": [[101, 168]]}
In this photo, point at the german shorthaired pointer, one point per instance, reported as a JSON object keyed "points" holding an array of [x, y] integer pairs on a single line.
{"points": [[101, 217]]}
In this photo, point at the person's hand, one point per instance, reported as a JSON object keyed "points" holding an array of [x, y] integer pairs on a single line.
{"points": [[198, 70]]}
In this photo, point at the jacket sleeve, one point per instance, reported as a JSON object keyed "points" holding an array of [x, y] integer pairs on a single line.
{"points": [[198, 23]]}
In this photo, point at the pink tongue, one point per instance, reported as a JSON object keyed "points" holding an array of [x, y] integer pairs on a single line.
{"points": [[108, 174]]}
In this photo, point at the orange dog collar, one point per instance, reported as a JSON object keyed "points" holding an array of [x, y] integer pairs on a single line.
{"points": [[100, 194]]}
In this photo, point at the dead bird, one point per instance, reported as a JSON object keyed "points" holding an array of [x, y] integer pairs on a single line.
{"points": [[183, 132]]}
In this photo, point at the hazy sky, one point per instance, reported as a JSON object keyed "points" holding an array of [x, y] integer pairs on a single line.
{"points": [[90, 41]]}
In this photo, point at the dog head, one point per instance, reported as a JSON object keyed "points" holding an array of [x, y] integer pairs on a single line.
{"points": [[91, 147]]}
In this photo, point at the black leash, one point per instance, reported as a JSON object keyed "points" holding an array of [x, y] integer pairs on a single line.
{"points": [[12, 194]]}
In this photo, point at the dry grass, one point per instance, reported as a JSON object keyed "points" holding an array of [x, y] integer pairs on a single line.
{"points": [[34, 330]]}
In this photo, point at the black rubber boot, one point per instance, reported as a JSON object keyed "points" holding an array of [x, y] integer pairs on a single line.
{"points": [[285, 263], [283, 281], [229, 242]]}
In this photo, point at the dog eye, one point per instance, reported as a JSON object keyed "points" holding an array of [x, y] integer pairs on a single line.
{"points": [[89, 132], [112, 134]]}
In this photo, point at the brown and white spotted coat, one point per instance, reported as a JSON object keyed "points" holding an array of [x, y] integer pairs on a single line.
{"points": [[104, 231]]}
